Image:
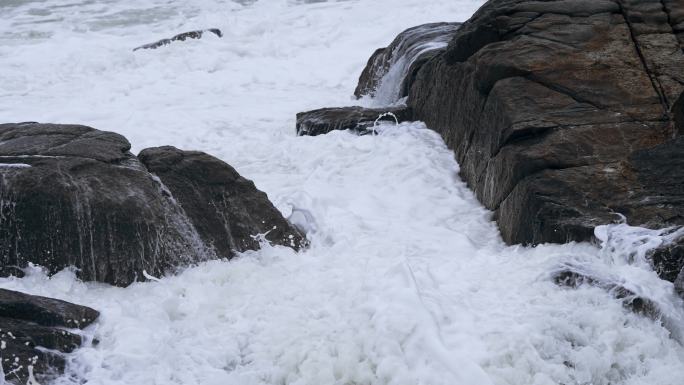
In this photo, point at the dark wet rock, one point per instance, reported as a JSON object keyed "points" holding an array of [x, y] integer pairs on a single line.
{"points": [[404, 57], [679, 284], [75, 196], [668, 261], [630, 300], [11, 271], [678, 115], [180, 37], [226, 209], [563, 114], [358, 119], [44, 311], [34, 334]]}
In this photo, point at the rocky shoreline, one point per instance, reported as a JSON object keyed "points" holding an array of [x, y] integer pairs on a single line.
{"points": [[563, 115]]}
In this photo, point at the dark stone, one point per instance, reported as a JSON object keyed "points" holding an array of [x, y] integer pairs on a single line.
{"points": [[75, 196], [226, 209], [44, 311], [679, 284], [180, 37], [678, 114], [32, 337], [668, 261], [358, 119], [562, 114], [405, 55], [630, 300]]}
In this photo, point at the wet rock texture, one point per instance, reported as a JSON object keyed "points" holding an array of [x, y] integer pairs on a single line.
{"points": [[34, 335], [75, 196], [358, 119], [405, 55], [180, 37], [564, 114]]}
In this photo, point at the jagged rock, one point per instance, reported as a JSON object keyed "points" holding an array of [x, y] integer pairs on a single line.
{"points": [[226, 209], [180, 37], [359, 119], [75, 196], [399, 62], [562, 114], [31, 324]]}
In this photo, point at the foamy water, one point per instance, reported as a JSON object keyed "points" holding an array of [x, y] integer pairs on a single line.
{"points": [[407, 280]]}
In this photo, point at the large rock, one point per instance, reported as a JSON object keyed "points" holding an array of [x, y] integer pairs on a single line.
{"points": [[390, 71], [75, 196], [32, 336], [562, 114]]}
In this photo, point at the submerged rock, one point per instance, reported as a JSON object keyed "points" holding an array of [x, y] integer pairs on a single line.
{"points": [[33, 338], [75, 196], [390, 71], [640, 305], [358, 119], [180, 37]]}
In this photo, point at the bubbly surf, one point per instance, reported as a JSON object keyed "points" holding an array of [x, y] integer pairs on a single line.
{"points": [[407, 280]]}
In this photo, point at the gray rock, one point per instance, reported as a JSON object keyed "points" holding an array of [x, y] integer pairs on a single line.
{"points": [[34, 335], [226, 209], [75, 196]]}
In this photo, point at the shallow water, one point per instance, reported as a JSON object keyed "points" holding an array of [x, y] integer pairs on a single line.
{"points": [[407, 280]]}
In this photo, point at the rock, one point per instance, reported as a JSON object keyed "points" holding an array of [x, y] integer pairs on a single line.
{"points": [[398, 63], [44, 311], [630, 300], [359, 119], [226, 209], [31, 324], [563, 114], [75, 196], [180, 37], [668, 262], [679, 284], [678, 114]]}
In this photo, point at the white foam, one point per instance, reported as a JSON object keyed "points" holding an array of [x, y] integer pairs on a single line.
{"points": [[406, 280]]}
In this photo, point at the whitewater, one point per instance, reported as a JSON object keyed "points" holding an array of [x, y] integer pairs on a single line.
{"points": [[406, 281]]}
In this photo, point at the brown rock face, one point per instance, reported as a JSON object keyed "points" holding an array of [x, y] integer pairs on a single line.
{"points": [[563, 114]]}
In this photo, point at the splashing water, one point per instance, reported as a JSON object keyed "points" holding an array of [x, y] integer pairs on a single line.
{"points": [[406, 280]]}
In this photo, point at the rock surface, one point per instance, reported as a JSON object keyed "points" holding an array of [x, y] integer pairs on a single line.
{"points": [[31, 324], [562, 114], [226, 209], [180, 37], [75, 196], [358, 119], [391, 70], [630, 300]]}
